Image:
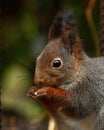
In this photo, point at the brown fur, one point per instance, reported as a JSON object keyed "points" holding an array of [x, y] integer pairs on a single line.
{"points": [[75, 89]]}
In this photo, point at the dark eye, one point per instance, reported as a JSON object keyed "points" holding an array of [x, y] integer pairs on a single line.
{"points": [[57, 63]]}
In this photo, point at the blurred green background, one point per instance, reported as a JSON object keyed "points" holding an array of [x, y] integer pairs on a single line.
{"points": [[23, 33]]}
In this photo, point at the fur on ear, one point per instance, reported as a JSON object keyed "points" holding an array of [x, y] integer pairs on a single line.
{"points": [[64, 27], [62, 18], [71, 41]]}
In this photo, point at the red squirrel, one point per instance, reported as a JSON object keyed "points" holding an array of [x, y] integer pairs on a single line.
{"points": [[69, 83]]}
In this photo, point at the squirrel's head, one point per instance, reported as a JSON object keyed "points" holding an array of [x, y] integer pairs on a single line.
{"points": [[63, 55]]}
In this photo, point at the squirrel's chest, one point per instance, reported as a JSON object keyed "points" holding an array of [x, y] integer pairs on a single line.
{"points": [[62, 119], [78, 124]]}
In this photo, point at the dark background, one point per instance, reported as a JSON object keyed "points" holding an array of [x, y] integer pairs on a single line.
{"points": [[23, 34]]}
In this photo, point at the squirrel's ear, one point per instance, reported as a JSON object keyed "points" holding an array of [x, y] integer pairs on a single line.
{"points": [[56, 27], [64, 27], [51, 34], [71, 41]]}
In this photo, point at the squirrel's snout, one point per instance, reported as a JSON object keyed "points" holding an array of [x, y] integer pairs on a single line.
{"points": [[38, 81]]}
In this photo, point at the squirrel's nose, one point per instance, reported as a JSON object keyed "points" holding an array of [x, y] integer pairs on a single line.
{"points": [[38, 77], [38, 81]]}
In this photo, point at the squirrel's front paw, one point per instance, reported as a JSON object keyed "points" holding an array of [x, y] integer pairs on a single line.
{"points": [[31, 92], [43, 92], [35, 92]]}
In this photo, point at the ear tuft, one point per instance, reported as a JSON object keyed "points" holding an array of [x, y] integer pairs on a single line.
{"points": [[64, 27], [62, 18]]}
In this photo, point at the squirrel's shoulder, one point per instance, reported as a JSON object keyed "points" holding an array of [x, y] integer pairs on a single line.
{"points": [[98, 60], [96, 66]]}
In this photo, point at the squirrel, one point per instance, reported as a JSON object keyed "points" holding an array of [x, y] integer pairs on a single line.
{"points": [[69, 83]]}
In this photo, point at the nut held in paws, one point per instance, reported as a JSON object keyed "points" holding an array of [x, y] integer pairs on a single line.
{"points": [[35, 93]]}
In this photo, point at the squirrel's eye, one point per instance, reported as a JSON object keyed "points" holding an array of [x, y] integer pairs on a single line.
{"points": [[57, 63]]}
